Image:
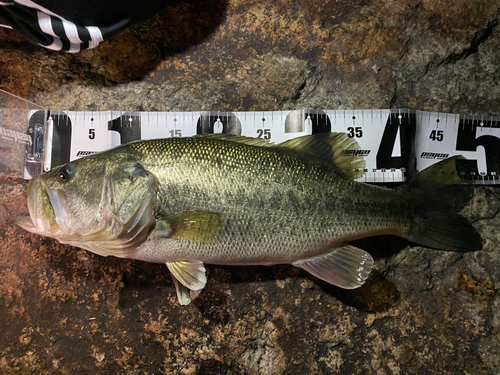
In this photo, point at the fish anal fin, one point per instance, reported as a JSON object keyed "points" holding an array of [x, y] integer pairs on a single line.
{"points": [[347, 267], [332, 148]]}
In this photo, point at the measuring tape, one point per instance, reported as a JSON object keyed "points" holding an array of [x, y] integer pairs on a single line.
{"points": [[396, 144]]}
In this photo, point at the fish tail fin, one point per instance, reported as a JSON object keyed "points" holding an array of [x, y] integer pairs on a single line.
{"points": [[437, 197]]}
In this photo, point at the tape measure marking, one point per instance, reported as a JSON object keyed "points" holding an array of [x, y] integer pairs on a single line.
{"points": [[396, 144]]}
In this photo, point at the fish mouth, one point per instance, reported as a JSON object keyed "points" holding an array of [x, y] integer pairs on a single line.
{"points": [[49, 216], [104, 233], [43, 204]]}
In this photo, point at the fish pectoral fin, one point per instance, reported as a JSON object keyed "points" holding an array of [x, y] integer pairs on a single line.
{"points": [[184, 295], [196, 226], [347, 267], [191, 274], [336, 149]]}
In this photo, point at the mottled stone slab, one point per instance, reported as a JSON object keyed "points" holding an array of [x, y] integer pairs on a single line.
{"points": [[422, 311]]}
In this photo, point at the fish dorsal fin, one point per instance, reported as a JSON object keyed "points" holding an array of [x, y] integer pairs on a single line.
{"points": [[189, 279], [347, 267], [332, 148], [196, 226], [238, 139], [444, 172]]}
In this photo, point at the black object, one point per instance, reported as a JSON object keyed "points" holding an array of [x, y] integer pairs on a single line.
{"points": [[74, 25]]}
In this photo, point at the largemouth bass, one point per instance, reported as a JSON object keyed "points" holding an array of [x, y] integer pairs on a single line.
{"points": [[234, 200]]}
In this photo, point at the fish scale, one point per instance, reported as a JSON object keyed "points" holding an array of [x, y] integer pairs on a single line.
{"points": [[241, 182]]}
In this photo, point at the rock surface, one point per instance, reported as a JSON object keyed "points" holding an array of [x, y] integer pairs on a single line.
{"points": [[422, 311]]}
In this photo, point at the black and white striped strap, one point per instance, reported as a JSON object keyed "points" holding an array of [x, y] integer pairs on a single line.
{"points": [[51, 30]]}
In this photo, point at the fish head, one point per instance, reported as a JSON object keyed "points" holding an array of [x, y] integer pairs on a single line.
{"points": [[104, 203]]}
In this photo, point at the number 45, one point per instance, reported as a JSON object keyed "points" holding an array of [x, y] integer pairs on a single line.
{"points": [[436, 135]]}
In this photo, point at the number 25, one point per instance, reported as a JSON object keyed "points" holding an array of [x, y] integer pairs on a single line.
{"points": [[264, 133]]}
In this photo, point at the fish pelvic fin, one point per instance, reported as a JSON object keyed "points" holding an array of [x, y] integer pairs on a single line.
{"points": [[334, 149], [189, 279], [184, 295], [437, 196], [347, 267]]}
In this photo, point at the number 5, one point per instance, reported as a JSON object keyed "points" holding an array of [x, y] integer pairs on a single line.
{"points": [[91, 133], [467, 141]]}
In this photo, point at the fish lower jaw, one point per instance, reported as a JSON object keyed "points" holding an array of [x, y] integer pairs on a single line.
{"points": [[53, 231], [25, 222]]}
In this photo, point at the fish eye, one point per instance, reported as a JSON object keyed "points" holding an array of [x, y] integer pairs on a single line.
{"points": [[65, 172]]}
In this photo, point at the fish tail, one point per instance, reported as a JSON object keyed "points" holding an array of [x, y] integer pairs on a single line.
{"points": [[437, 197]]}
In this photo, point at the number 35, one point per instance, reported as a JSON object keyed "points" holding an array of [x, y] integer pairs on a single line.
{"points": [[355, 132]]}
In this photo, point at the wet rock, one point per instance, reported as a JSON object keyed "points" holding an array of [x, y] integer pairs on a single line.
{"points": [[422, 310]]}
